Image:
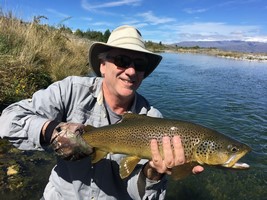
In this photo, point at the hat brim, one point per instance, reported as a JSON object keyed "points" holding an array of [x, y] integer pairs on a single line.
{"points": [[98, 47]]}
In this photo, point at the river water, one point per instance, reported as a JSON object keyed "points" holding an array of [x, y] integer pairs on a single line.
{"points": [[227, 95]]}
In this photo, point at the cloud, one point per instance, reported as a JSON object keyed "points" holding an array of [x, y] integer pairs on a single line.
{"points": [[260, 38], [149, 17], [91, 7], [103, 24], [208, 31], [193, 11], [165, 28], [211, 27], [134, 22], [58, 14], [87, 18]]}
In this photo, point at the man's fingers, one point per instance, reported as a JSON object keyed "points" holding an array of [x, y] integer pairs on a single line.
{"points": [[155, 154], [178, 150], [173, 155], [197, 169], [167, 152]]}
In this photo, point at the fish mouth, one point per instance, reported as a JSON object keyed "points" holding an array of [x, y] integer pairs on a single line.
{"points": [[237, 165], [240, 166], [232, 162]]}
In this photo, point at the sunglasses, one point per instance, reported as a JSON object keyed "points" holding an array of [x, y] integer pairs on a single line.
{"points": [[123, 61]]}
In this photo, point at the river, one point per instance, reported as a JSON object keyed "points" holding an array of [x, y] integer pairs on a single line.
{"points": [[227, 95]]}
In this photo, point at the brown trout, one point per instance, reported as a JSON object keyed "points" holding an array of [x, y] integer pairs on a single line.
{"points": [[133, 134]]}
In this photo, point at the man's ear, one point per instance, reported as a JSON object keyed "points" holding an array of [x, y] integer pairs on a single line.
{"points": [[102, 68]]}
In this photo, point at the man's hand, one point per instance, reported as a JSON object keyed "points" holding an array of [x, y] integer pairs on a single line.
{"points": [[172, 156], [67, 142]]}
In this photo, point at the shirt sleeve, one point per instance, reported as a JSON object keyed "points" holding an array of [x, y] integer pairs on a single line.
{"points": [[153, 112], [140, 187], [22, 121]]}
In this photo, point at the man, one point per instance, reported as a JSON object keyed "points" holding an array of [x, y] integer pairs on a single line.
{"points": [[57, 114]]}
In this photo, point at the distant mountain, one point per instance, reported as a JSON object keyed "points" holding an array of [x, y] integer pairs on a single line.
{"points": [[234, 45]]}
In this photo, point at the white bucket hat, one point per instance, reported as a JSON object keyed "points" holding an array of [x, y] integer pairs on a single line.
{"points": [[123, 37]]}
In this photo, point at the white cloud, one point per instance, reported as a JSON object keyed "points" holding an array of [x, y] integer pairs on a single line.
{"points": [[58, 14], [86, 18], [93, 7], [208, 31], [193, 11], [134, 22], [103, 24], [216, 27], [131, 21], [257, 39], [154, 20]]}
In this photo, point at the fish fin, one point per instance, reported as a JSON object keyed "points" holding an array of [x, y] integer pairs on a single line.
{"points": [[89, 128], [127, 165], [182, 171], [98, 155]]}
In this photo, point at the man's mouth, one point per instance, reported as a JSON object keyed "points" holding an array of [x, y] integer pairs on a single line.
{"points": [[128, 81]]}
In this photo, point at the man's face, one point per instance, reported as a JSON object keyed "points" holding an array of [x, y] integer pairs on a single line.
{"points": [[123, 80]]}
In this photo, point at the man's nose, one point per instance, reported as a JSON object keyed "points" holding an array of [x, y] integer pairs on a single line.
{"points": [[131, 69]]}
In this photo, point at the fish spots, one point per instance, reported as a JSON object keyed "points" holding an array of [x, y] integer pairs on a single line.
{"points": [[132, 136], [208, 147]]}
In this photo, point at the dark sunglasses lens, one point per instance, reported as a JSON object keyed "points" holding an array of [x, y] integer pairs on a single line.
{"points": [[122, 61], [140, 64]]}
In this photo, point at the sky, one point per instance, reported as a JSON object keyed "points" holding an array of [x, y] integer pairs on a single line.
{"points": [[166, 21]]}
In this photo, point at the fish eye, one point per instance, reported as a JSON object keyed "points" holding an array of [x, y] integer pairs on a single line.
{"points": [[233, 148]]}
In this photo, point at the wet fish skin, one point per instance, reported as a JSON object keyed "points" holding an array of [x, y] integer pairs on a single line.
{"points": [[133, 134]]}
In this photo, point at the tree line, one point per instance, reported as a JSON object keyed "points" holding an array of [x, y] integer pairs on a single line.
{"points": [[89, 34], [103, 37]]}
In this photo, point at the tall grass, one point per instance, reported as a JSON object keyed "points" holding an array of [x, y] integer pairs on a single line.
{"points": [[32, 56]]}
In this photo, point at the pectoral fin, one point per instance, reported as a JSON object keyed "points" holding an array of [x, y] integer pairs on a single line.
{"points": [[98, 155], [182, 171], [127, 165]]}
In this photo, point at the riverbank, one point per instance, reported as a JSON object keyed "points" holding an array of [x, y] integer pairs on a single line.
{"points": [[260, 57]]}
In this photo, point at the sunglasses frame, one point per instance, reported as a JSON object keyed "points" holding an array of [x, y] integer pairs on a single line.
{"points": [[123, 61]]}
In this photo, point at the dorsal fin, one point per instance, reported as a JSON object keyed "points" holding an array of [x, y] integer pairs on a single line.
{"points": [[132, 116]]}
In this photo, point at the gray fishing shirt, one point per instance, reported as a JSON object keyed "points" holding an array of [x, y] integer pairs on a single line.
{"points": [[80, 100]]}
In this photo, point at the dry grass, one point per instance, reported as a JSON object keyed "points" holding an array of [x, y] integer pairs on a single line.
{"points": [[33, 55]]}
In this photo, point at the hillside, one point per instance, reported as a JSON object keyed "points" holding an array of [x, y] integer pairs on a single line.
{"points": [[235, 45]]}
